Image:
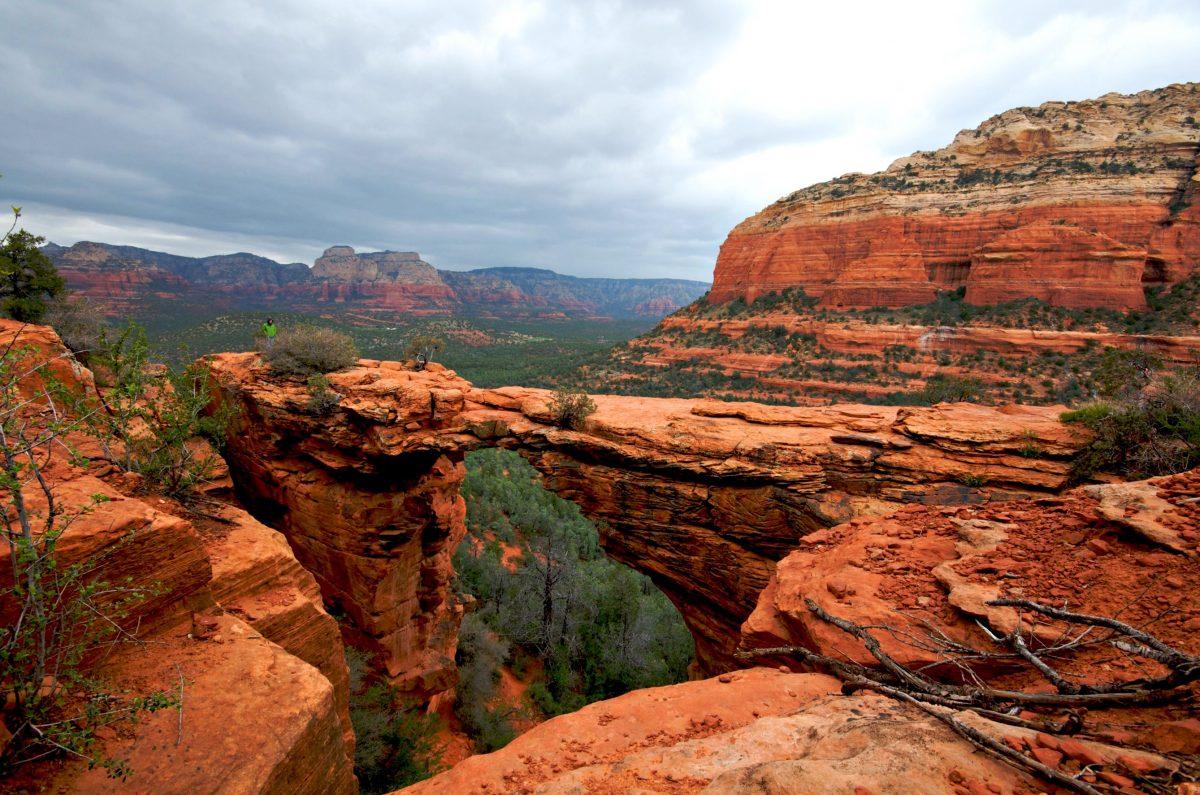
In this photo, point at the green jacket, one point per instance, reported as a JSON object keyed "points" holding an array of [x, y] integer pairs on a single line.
{"points": [[268, 329]]}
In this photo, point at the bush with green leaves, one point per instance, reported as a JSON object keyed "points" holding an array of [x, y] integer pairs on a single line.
{"points": [[422, 347], [309, 350], [395, 742], [321, 399], [597, 629], [570, 407], [481, 653], [28, 279], [56, 614], [156, 413], [1155, 432], [951, 389]]}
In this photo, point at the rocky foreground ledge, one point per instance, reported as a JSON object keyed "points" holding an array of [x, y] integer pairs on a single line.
{"points": [[1126, 550]]}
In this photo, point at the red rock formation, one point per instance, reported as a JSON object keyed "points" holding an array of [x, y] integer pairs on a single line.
{"points": [[1062, 265], [1121, 167], [702, 496], [1126, 549], [751, 731], [236, 732]]}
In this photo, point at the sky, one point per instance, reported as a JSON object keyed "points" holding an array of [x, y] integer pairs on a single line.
{"points": [[591, 137]]}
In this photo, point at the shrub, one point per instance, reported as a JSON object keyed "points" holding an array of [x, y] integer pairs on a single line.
{"points": [[571, 407], [422, 348], [1155, 432], [157, 413], [951, 389], [396, 745], [78, 323], [65, 610], [307, 350], [28, 279], [321, 399]]}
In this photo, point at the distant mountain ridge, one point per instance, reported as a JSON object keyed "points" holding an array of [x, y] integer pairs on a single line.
{"points": [[126, 280]]}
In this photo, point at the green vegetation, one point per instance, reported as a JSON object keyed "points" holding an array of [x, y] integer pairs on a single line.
{"points": [[321, 399], [422, 347], [1147, 424], [677, 361], [155, 412], [78, 323], [571, 407], [487, 352], [593, 629], [59, 613], [308, 350], [28, 280], [395, 744]]}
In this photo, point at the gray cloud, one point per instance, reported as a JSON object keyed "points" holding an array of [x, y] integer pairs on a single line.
{"points": [[595, 138]]}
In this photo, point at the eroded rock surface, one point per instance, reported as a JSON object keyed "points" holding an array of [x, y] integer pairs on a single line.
{"points": [[703, 496], [1077, 203], [229, 620]]}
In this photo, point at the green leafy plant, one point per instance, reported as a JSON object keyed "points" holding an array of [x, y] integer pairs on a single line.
{"points": [[571, 407], [158, 414], [1153, 431], [321, 399], [55, 613], [395, 742], [308, 350], [28, 279], [951, 389]]}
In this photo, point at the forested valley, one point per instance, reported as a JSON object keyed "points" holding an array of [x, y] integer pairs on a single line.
{"points": [[552, 624], [548, 604]]}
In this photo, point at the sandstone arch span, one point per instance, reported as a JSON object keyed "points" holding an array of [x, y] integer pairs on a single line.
{"points": [[702, 496]]}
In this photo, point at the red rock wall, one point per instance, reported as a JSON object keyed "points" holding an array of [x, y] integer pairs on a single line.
{"points": [[896, 261], [1122, 168]]}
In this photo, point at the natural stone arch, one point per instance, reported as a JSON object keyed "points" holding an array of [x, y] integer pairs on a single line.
{"points": [[702, 496]]}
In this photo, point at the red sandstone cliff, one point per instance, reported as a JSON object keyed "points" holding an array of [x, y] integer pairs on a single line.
{"points": [[233, 621], [1077, 203]]}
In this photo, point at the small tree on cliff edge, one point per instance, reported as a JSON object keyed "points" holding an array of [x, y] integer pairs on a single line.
{"points": [[571, 407], [28, 278], [54, 613], [422, 347]]}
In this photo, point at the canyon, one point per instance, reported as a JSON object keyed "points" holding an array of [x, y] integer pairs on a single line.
{"points": [[130, 281], [1046, 233], [912, 517]]}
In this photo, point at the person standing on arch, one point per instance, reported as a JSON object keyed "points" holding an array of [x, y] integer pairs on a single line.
{"points": [[269, 331]]}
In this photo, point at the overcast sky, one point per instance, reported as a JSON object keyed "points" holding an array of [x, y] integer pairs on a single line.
{"points": [[593, 138]]}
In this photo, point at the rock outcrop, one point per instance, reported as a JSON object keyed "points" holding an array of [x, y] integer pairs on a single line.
{"points": [[1077, 203], [702, 496], [228, 618], [926, 571], [754, 731]]}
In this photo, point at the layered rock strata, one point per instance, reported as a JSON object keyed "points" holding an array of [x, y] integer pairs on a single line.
{"points": [[229, 622], [702, 496], [1077, 203]]}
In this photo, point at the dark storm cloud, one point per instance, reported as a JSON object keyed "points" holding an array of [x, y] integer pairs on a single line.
{"points": [[597, 138]]}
